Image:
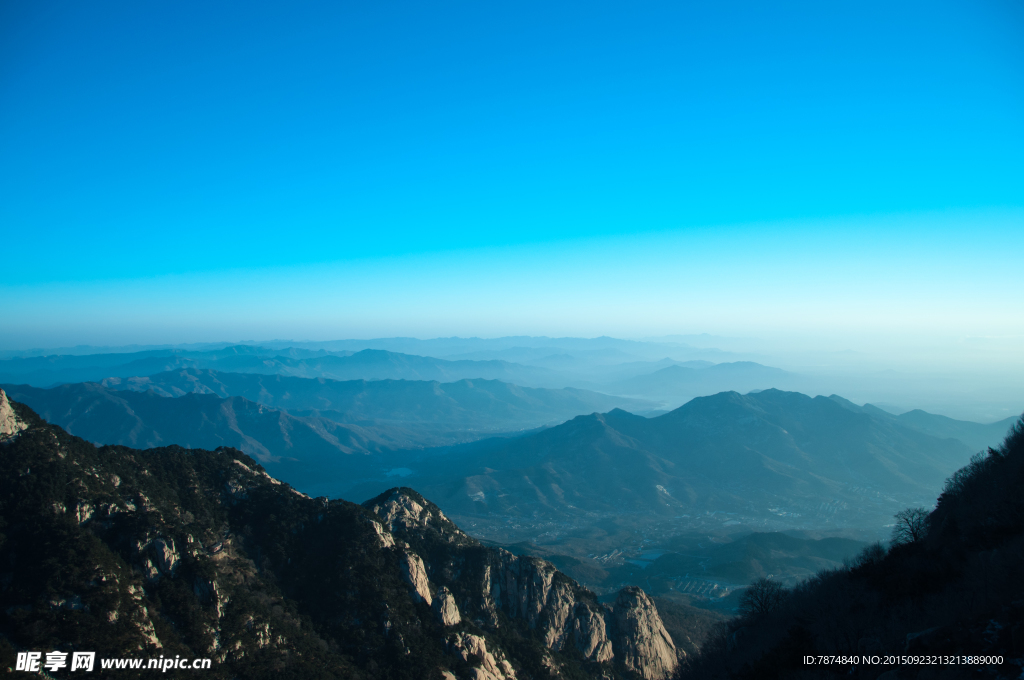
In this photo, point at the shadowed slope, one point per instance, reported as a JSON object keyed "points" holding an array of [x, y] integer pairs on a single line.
{"points": [[767, 453], [953, 591]]}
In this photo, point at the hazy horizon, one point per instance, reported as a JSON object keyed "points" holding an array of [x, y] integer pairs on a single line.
{"points": [[959, 391], [830, 190]]}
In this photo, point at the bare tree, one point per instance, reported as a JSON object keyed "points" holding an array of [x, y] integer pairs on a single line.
{"points": [[911, 525], [762, 596]]}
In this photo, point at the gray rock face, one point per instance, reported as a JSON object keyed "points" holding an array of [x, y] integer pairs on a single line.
{"points": [[523, 588], [492, 584], [10, 425], [641, 642], [416, 576], [386, 540], [84, 512], [590, 634], [164, 555], [493, 665], [532, 589], [445, 608], [402, 512]]}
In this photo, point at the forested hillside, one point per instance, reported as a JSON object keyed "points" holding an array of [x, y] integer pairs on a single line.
{"points": [[950, 584]]}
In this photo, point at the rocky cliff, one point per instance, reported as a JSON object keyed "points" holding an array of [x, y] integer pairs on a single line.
{"points": [[10, 425], [645, 647], [496, 589], [194, 553]]}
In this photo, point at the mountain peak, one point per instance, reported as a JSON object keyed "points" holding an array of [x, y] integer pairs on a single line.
{"points": [[10, 423], [406, 513]]}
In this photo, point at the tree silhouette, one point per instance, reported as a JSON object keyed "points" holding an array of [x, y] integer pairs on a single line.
{"points": [[911, 525], [762, 596]]}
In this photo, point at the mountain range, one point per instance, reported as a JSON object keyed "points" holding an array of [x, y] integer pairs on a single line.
{"points": [[302, 449], [768, 461], [978, 436], [759, 459], [171, 554], [465, 405], [606, 370], [365, 365], [304, 446], [608, 365]]}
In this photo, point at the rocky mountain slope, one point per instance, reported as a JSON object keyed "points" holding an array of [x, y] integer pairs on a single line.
{"points": [[746, 457], [171, 552]]}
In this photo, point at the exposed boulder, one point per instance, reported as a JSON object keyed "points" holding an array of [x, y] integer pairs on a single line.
{"points": [[445, 608], [493, 665], [401, 510], [386, 540], [416, 576], [164, 555], [84, 512], [642, 644]]}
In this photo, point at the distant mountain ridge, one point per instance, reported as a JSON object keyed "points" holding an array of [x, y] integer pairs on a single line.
{"points": [[360, 427], [979, 436], [367, 364], [44, 371], [750, 457], [609, 365], [448, 348], [598, 369], [763, 457], [470, 405], [301, 449]]}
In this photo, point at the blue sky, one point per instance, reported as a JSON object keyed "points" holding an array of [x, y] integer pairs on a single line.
{"points": [[176, 171]]}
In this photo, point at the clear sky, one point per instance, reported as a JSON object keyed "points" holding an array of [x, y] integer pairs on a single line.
{"points": [[192, 171]]}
